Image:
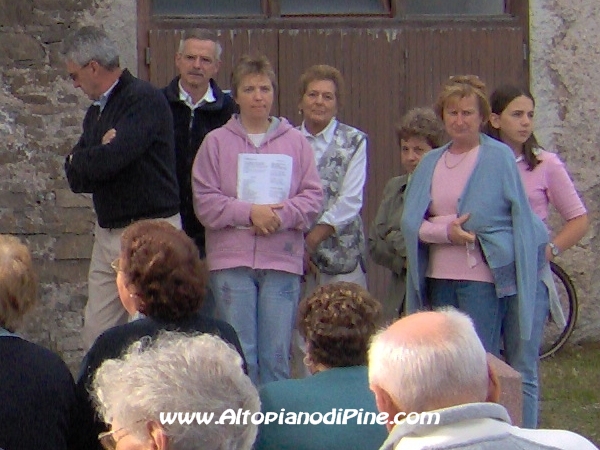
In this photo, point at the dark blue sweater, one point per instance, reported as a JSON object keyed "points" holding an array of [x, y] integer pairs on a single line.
{"points": [[114, 341], [38, 408], [189, 134], [133, 177]]}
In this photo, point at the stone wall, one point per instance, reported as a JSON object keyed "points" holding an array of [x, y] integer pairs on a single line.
{"points": [[565, 75], [40, 120]]}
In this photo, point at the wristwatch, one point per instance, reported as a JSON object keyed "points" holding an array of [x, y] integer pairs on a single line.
{"points": [[553, 249]]}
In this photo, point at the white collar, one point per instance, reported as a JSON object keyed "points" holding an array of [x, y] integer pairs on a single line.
{"points": [[209, 97], [103, 100], [326, 133]]}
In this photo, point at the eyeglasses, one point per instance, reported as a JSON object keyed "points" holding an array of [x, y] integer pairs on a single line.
{"points": [[107, 438], [75, 75], [108, 441], [116, 265]]}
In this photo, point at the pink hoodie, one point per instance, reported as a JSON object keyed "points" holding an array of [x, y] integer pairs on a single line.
{"points": [[214, 184]]}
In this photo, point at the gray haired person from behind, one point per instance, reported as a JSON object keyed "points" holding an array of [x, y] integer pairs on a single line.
{"points": [[176, 373]]}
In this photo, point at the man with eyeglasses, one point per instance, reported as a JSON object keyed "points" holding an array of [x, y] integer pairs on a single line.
{"points": [[198, 106], [125, 158]]}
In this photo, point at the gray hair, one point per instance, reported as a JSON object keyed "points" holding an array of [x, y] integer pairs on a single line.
{"points": [[18, 283], [432, 371], [179, 373], [91, 44], [201, 35]]}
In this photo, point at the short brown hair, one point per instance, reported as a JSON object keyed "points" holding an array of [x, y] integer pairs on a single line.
{"points": [[421, 123], [337, 321], [251, 65], [321, 72], [461, 86], [18, 282], [163, 265]]}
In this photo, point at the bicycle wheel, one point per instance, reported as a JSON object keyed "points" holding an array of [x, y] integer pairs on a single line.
{"points": [[556, 335]]}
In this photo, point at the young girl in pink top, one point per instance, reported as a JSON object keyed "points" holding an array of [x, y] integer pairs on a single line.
{"points": [[546, 182]]}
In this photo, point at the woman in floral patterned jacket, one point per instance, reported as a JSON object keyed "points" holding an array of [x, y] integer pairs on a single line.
{"points": [[335, 246]]}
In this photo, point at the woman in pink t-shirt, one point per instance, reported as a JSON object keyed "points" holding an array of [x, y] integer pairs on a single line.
{"points": [[546, 182]]}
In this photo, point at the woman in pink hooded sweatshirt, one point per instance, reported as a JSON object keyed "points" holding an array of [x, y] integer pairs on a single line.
{"points": [[256, 191]]}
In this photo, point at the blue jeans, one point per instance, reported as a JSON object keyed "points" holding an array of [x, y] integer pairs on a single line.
{"points": [[261, 306], [478, 300], [523, 355]]}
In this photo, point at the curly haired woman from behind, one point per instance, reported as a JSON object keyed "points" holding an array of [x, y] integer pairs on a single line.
{"points": [[337, 322]]}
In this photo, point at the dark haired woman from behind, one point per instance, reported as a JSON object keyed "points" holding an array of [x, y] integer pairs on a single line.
{"points": [[159, 276], [546, 183]]}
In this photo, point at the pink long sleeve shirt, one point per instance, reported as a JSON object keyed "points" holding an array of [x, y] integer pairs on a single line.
{"points": [[448, 261], [230, 240], [549, 183]]}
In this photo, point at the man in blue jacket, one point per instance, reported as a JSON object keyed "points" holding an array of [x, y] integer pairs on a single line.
{"points": [[125, 158], [198, 106]]}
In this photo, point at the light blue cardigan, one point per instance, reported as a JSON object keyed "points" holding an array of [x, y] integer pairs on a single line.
{"points": [[512, 238]]}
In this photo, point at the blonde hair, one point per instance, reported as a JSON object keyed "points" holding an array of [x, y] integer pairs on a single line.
{"points": [[459, 87], [18, 283]]}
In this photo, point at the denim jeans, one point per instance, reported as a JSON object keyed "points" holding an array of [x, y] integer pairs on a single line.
{"points": [[523, 355], [478, 300], [261, 306]]}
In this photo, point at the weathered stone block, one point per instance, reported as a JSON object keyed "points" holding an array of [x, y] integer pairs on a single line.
{"points": [[15, 12], [35, 134], [15, 201], [70, 121], [73, 246], [71, 99], [29, 120], [41, 246], [63, 271], [16, 82], [35, 99], [21, 47], [69, 343], [44, 110], [67, 199], [68, 220], [8, 222], [62, 5]]}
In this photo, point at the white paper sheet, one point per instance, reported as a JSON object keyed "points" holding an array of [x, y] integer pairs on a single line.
{"points": [[264, 179]]}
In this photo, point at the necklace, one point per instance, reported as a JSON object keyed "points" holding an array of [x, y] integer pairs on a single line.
{"points": [[456, 164]]}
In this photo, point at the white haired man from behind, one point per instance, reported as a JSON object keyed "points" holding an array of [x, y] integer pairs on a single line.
{"points": [[434, 362], [176, 373]]}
